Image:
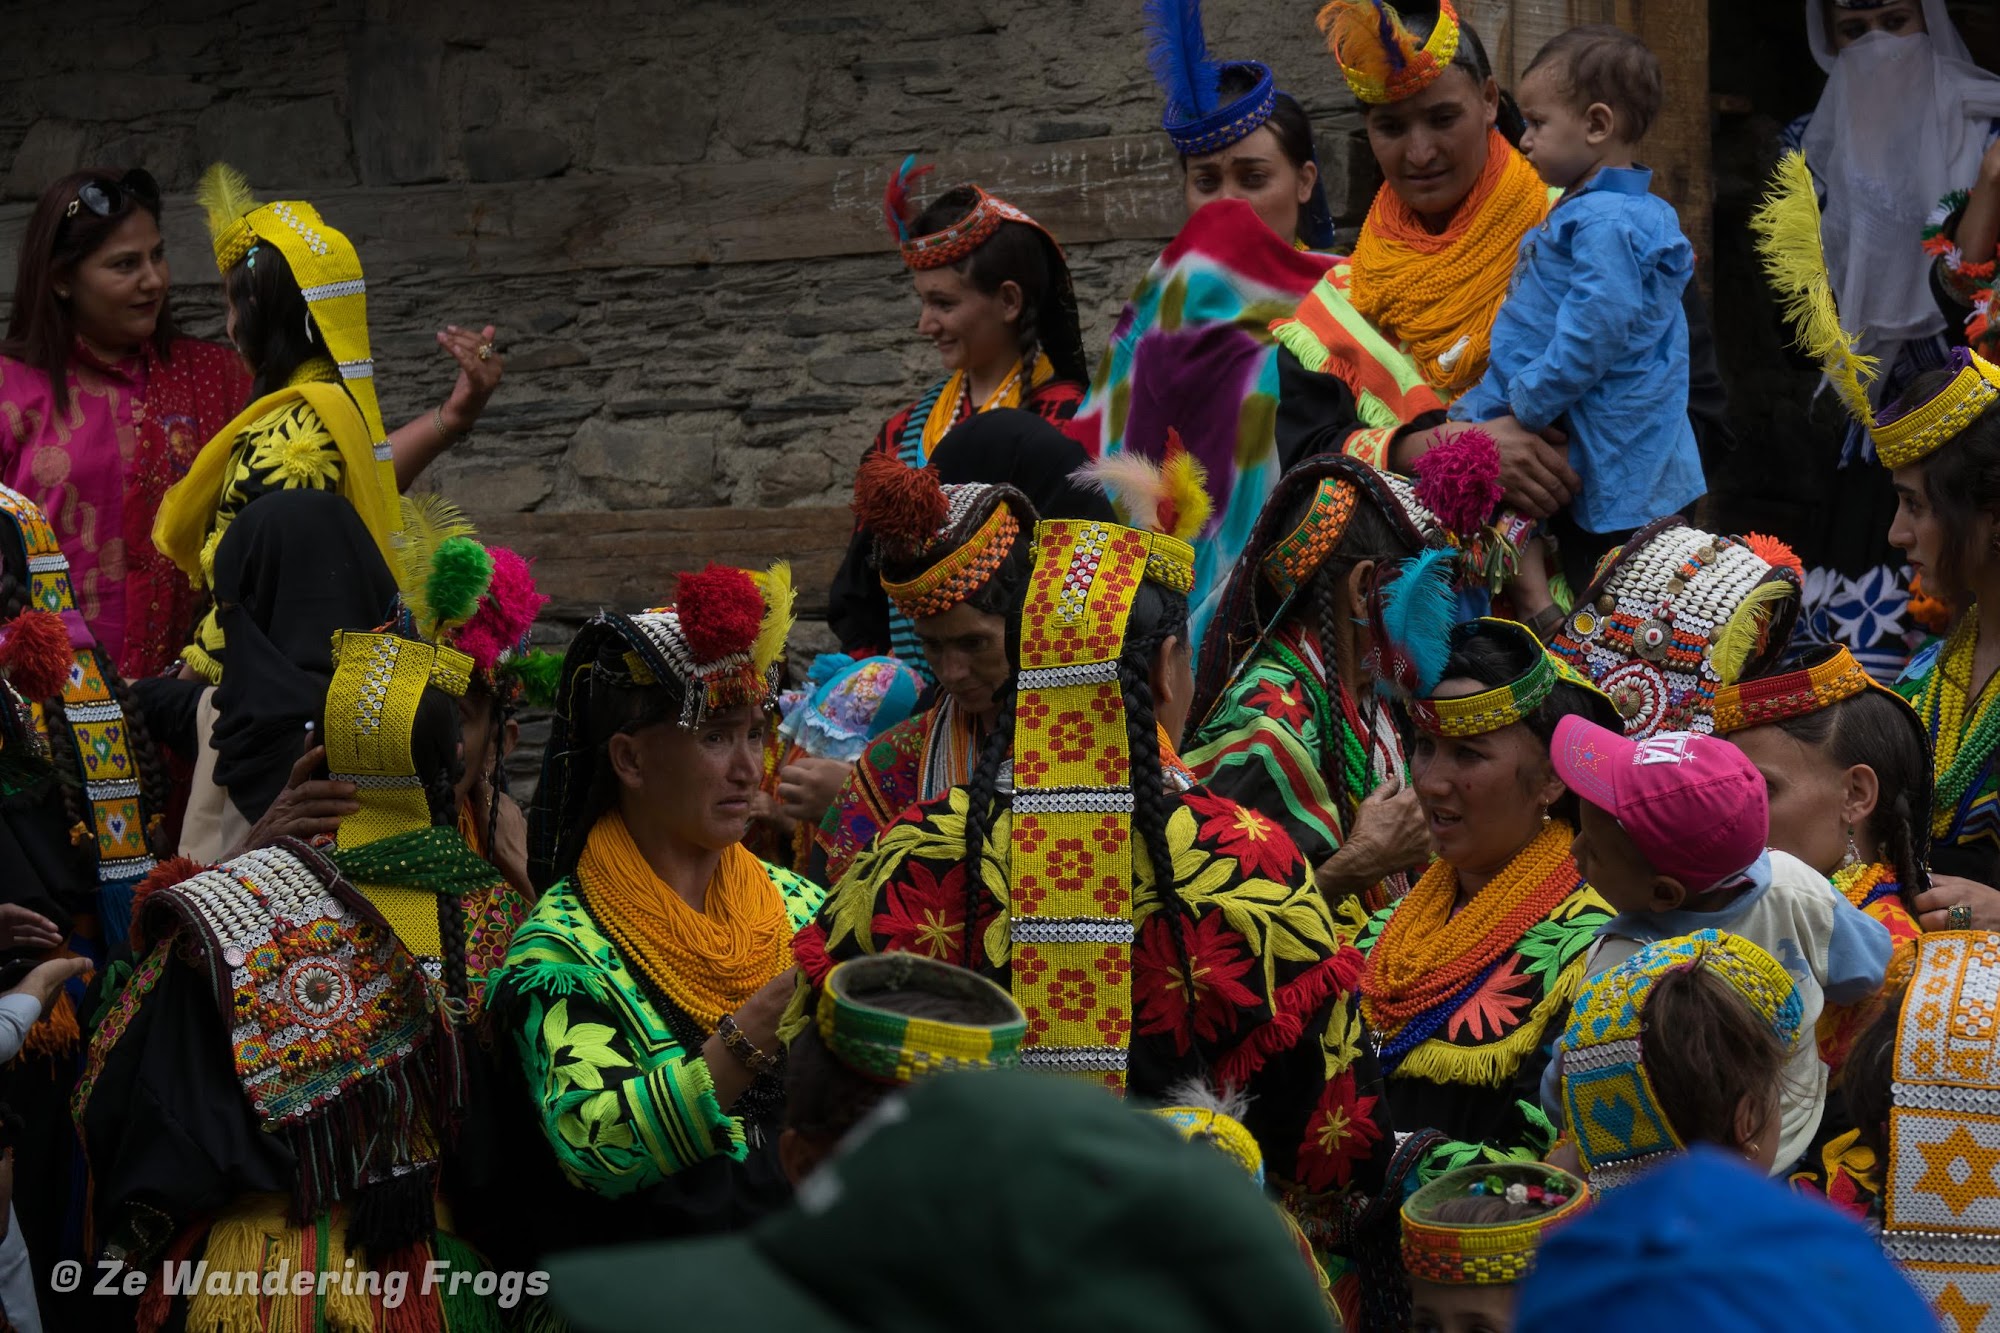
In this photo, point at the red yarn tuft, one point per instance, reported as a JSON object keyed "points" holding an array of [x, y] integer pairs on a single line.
{"points": [[174, 870], [721, 611], [506, 612], [902, 506], [1459, 480], [37, 654], [1775, 553]]}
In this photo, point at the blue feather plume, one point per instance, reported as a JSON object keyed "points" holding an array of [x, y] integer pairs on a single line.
{"points": [[1386, 25], [1414, 616], [1178, 55]]}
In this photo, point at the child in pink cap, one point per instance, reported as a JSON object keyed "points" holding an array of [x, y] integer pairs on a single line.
{"points": [[1672, 834]]}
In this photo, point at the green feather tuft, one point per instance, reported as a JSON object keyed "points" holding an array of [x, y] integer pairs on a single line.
{"points": [[460, 572], [538, 672]]}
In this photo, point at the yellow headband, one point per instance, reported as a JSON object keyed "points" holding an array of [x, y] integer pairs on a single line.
{"points": [[1922, 431]]}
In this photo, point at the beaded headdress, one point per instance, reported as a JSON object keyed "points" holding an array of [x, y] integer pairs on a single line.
{"points": [[1504, 705], [327, 269], [371, 711], [496, 638], [1168, 500], [1070, 845], [956, 241], [1608, 1097], [965, 530], [1196, 118], [1942, 1197], [1379, 57], [1202, 1117], [1299, 554], [893, 1047], [1674, 615], [1910, 431], [1486, 1253]]}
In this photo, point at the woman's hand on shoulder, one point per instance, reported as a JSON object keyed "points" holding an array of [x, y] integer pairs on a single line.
{"points": [[306, 808], [1389, 833]]}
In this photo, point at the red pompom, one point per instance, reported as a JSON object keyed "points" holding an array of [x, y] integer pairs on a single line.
{"points": [[902, 506], [721, 610], [1775, 553], [1459, 480], [37, 654], [174, 870]]}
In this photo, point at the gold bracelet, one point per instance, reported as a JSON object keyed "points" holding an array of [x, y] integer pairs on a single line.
{"points": [[437, 422], [738, 1044]]}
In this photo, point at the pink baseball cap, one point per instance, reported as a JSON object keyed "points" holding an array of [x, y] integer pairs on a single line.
{"points": [[1695, 806]]}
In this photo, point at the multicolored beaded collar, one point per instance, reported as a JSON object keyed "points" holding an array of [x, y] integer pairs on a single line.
{"points": [[956, 241], [1486, 1253], [1381, 61], [1504, 705], [1908, 432], [893, 1047], [1607, 1095], [1675, 614], [1942, 1199]]}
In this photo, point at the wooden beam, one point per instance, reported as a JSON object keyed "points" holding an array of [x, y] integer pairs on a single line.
{"points": [[626, 559], [1118, 188]]}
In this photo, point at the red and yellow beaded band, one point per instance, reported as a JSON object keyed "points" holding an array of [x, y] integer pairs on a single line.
{"points": [[1291, 562], [1757, 703], [960, 574], [1486, 1253], [964, 236]]}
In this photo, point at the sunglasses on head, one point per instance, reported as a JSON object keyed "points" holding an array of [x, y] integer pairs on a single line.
{"points": [[108, 198]]}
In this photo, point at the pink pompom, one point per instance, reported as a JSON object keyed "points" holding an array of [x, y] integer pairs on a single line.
{"points": [[506, 612], [1459, 480]]}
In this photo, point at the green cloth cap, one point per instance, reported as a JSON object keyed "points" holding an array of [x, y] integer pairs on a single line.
{"points": [[998, 1200]]}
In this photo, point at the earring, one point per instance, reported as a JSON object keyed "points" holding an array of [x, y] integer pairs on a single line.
{"points": [[1853, 856], [309, 326]]}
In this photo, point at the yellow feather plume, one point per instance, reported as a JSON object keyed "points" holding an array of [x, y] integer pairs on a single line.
{"points": [[428, 519], [1745, 631], [224, 195], [1787, 227], [1187, 492], [780, 603]]}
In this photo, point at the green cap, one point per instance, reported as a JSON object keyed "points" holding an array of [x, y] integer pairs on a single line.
{"points": [[1001, 1200]]}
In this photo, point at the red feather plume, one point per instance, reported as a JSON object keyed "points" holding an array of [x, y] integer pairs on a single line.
{"points": [[902, 506], [720, 610], [37, 654]]}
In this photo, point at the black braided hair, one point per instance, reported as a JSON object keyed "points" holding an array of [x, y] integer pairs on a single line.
{"points": [[155, 782], [1325, 596], [982, 804], [1879, 730], [616, 704], [434, 750]]}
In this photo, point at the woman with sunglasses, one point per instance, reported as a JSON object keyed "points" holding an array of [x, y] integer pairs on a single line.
{"points": [[104, 404]]}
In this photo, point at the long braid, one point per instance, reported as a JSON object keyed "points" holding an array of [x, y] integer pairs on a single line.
{"points": [[1029, 334], [1332, 754], [155, 783], [440, 790], [1149, 795], [1899, 844], [982, 807], [496, 779]]}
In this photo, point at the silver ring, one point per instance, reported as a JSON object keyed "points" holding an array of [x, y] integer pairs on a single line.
{"points": [[1958, 916]]}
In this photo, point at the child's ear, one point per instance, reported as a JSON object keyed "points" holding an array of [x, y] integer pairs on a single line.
{"points": [[1599, 123], [1668, 894]]}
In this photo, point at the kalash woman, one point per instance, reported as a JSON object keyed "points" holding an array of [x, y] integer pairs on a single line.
{"points": [[289, 1077], [298, 310], [643, 994], [1211, 955], [954, 562], [1848, 767], [1192, 351], [106, 403], [1289, 721], [1471, 975]]}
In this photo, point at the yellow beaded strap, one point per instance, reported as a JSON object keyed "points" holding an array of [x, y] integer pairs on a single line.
{"points": [[890, 1046], [1916, 434], [1170, 562], [1070, 848], [110, 773], [1503, 706], [1294, 560], [1941, 1198], [371, 707], [1769, 699], [1607, 1094], [1487, 1253]]}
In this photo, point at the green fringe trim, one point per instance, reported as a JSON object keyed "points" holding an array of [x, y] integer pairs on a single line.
{"points": [[1297, 339]]}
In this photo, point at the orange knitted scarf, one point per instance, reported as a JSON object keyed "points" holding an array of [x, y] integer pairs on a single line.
{"points": [[707, 962], [1426, 954], [1430, 291]]}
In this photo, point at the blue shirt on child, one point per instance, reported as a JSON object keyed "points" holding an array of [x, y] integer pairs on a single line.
{"points": [[1593, 330]]}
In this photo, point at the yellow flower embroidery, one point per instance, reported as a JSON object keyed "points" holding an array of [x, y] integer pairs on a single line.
{"points": [[594, 1123], [296, 451], [588, 1047]]}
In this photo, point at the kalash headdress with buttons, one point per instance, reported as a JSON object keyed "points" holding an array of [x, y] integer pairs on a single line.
{"points": [[1677, 613], [1482, 1254], [1072, 776], [721, 645], [1608, 1096], [1941, 1197], [1197, 118], [327, 269], [1380, 59]]}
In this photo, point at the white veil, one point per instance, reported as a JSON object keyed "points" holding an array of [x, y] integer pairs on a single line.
{"points": [[1902, 123]]}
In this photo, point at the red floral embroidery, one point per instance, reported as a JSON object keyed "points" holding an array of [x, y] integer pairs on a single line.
{"points": [[1218, 957], [1341, 1131], [1262, 849], [1495, 1007], [1286, 707], [925, 913]]}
